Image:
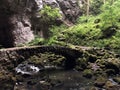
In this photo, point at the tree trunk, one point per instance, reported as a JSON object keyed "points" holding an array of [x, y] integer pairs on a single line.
{"points": [[88, 7]]}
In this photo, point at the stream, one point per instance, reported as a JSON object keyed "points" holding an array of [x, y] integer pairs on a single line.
{"points": [[49, 78], [31, 77], [71, 80]]}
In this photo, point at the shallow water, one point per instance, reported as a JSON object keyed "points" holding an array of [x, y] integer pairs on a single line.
{"points": [[55, 80], [52, 78], [71, 80]]}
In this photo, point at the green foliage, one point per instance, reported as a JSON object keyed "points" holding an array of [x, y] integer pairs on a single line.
{"points": [[86, 33], [57, 32], [36, 41], [49, 14], [110, 13], [102, 30], [109, 18], [95, 7]]}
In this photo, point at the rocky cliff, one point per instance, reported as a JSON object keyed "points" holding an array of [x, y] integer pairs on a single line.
{"points": [[15, 18]]}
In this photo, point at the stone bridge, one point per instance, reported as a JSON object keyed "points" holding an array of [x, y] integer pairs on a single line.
{"points": [[19, 54]]}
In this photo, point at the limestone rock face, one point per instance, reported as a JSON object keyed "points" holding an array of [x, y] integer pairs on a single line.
{"points": [[70, 9], [16, 18], [22, 30], [15, 26]]}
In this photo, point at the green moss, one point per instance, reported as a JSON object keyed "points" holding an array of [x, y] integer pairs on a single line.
{"points": [[47, 58], [109, 65], [93, 88], [81, 63], [88, 73], [110, 85], [110, 72], [7, 80], [117, 79], [97, 31], [35, 59], [92, 58], [100, 81]]}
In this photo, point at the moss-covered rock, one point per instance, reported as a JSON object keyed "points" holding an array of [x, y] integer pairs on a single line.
{"points": [[94, 63], [100, 81], [94, 88], [88, 73], [92, 58], [81, 63], [47, 58], [100, 61], [109, 65], [35, 59], [109, 85], [110, 72], [117, 79], [7, 80]]}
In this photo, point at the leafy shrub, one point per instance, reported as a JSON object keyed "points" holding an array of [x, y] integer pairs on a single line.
{"points": [[89, 31], [49, 14], [95, 7], [36, 41], [110, 13], [109, 18]]}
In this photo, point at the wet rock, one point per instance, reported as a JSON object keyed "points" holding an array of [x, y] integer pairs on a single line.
{"points": [[115, 87], [35, 59], [109, 65], [100, 81], [88, 73], [44, 85], [19, 78], [92, 58], [117, 79], [7, 80], [101, 53], [94, 66], [110, 71], [31, 82], [111, 86], [114, 64], [81, 64], [48, 59], [94, 88]]}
